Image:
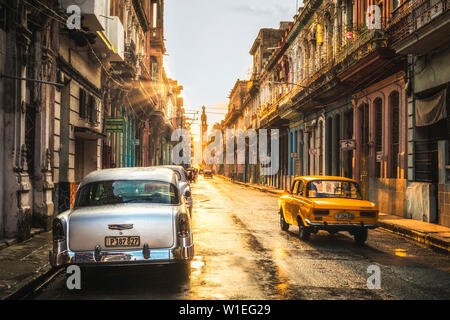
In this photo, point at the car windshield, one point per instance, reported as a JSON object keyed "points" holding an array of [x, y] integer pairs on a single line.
{"points": [[333, 189], [115, 192]]}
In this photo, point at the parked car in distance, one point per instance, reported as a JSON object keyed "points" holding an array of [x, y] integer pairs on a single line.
{"points": [[327, 203], [183, 185], [208, 174], [132, 216]]}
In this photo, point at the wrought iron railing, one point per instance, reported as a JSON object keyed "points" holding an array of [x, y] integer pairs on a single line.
{"points": [[413, 15]]}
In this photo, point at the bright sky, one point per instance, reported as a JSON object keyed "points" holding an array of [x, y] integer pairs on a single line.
{"points": [[208, 43]]}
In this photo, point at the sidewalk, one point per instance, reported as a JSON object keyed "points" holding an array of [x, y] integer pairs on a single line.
{"points": [[24, 265], [433, 235]]}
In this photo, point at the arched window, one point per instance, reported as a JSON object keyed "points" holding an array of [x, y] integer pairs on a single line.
{"points": [[395, 137]]}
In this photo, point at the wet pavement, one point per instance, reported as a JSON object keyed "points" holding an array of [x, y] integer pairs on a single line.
{"points": [[241, 253]]}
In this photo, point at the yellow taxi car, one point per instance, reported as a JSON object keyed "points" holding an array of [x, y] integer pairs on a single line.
{"points": [[327, 203]]}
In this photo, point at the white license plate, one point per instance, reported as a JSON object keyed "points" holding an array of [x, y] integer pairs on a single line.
{"points": [[345, 215], [112, 242]]}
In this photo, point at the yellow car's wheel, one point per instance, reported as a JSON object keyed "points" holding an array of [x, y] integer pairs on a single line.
{"points": [[303, 231], [283, 224], [361, 236]]}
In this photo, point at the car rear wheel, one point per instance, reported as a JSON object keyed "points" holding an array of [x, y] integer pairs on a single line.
{"points": [[361, 236], [283, 224], [303, 231], [183, 271]]}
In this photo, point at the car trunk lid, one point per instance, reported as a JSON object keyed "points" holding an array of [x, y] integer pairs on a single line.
{"points": [[153, 224]]}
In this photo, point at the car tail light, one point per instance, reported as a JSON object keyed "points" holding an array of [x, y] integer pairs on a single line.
{"points": [[58, 230], [368, 214], [321, 212], [183, 224]]}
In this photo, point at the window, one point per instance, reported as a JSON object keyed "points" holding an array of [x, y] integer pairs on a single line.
{"points": [[92, 108], [378, 135], [395, 133], [155, 15], [119, 192], [333, 189], [88, 107], [82, 104], [295, 187], [300, 189], [154, 72]]}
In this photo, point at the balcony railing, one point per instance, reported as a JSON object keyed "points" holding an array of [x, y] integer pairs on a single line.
{"points": [[359, 43], [415, 14]]}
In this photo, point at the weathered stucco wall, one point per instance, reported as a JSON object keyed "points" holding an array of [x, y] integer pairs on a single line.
{"points": [[389, 195], [444, 204], [432, 71]]}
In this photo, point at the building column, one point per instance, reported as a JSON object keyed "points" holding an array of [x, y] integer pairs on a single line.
{"points": [[357, 136], [16, 186]]}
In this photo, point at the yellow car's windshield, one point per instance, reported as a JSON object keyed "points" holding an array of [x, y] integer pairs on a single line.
{"points": [[333, 189]]}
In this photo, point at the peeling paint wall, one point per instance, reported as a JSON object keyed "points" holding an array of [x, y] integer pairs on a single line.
{"points": [[420, 204], [389, 195]]}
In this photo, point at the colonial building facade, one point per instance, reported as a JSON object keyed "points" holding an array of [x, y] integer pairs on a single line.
{"points": [[75, 100], [355, 94]]}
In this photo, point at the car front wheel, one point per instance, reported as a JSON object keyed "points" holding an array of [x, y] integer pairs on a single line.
{"points": [[361, 236], [283, 224]]}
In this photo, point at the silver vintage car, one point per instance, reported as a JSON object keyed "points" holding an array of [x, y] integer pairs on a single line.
{"points": [[125, 216], [183, 185]]}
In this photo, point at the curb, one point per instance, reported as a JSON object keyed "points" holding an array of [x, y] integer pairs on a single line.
{"points": [[262, 189], [34, 285], [420, 237], [424, 238], [6, 243]]}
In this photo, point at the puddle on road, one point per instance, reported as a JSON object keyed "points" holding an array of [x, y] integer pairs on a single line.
{"points": [[400, 252], [197, 265]]}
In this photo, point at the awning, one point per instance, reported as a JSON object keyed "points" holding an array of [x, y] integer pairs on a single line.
{"points": [[432, 109]]}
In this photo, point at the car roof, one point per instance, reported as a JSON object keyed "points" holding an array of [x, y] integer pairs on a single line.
{"points": [[126, 174], [326, 178], [179, 169]]}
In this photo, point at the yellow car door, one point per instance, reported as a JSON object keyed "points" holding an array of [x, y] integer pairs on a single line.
{"points": [[289, 206], [298, 203]]}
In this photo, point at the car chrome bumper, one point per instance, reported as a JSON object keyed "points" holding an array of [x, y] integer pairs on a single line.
{"points": [[122, 257], [341, 226]]}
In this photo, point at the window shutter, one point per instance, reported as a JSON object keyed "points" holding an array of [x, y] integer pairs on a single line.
{"points": [[82, 104], [91, 109]]}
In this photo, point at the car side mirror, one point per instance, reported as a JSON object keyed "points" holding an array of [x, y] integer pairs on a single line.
{"points": [[187, 194]]}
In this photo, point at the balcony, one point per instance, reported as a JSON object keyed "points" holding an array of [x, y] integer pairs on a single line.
{"points": [[419, 26]]}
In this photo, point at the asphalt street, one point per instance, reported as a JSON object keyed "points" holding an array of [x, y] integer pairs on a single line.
{"points": [[241, 253]]}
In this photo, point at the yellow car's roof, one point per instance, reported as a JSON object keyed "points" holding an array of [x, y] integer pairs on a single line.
{"points": [[333, 178]]}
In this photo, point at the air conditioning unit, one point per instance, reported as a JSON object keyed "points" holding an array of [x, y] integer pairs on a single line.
{"points": [[116, 35], [93, 12]]}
